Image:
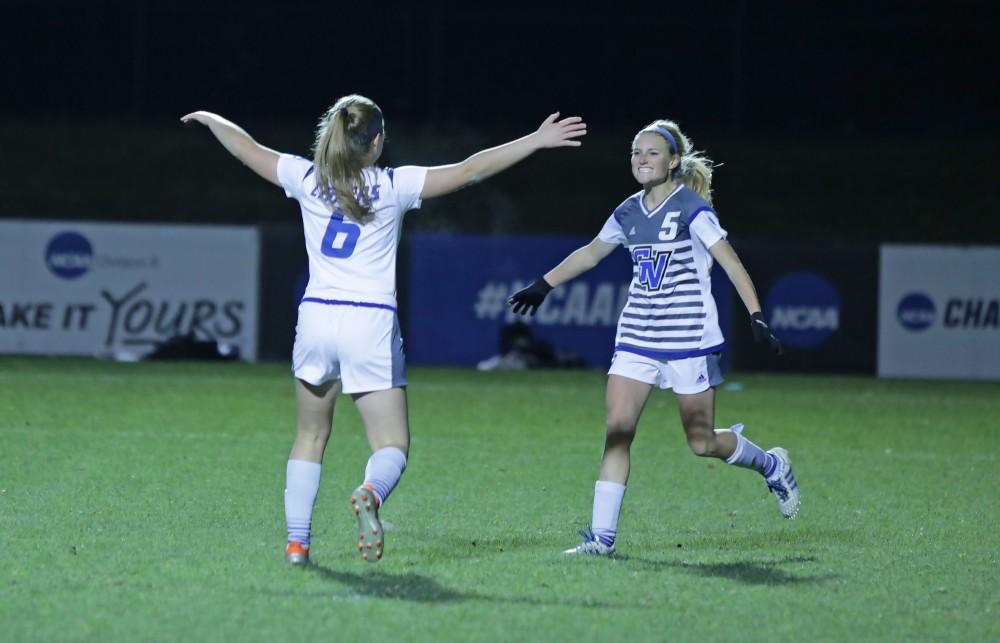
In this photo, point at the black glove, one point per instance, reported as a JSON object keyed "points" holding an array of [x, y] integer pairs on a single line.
{"points": [[528, 300], [762, 332]]}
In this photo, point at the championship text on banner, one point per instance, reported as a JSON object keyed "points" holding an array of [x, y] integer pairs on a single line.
{"points": [[459, 284], [79, 288], [939, 312]]}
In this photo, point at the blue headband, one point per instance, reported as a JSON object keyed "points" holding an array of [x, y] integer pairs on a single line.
{"points": [[665, 133], [373, 129]]}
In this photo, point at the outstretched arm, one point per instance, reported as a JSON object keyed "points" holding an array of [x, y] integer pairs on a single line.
{"points": [[445, 179], [578, 262], [730, 262], [260, 159]]}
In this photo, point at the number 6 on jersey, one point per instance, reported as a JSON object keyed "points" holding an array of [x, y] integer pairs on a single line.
{"points": [[340, 237]]}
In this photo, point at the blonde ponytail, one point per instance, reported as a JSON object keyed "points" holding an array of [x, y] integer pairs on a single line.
{"points": [[341, 152]]}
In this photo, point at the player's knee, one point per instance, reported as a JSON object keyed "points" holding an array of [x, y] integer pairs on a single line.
{"points": [[701, 445], [313, 431], [620, 430], [393, 442]]}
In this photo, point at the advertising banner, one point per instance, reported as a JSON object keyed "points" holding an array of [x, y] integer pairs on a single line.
{"points": [[458, 286], [120, 290], [939, 312], [819, 299]]}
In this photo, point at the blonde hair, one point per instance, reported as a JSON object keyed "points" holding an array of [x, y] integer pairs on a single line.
{"points": [[341, 152], [695, 169]]}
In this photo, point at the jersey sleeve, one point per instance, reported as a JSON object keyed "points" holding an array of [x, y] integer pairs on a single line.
{"points": [[408, 183], [612, 231], [292, 171], [705, 225]]}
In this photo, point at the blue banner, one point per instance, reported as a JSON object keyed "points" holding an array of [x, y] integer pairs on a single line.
{"points": [[459, 284]]}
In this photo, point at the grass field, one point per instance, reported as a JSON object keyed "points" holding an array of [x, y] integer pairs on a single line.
{"points": [[144, 502]]}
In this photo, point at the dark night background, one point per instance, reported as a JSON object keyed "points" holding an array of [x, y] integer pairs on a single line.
{"points": [[843, 122]]}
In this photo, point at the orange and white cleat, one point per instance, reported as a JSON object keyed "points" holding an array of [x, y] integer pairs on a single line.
{"points": [[370, 536], [296, 553]]}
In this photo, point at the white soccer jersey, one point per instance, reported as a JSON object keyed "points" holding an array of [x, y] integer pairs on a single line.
{"points": [[670, 313], [353, 263]]}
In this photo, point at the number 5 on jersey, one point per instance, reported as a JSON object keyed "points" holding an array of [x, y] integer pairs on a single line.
{"points": [[668, 231], [340, 237]]}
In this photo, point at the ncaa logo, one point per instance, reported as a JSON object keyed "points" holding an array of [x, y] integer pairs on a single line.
{"points": [[804, 309], [916, 312], [69, 255]]}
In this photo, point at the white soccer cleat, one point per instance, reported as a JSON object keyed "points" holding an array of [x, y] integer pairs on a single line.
{"points": [[591, 546], [782, 484], [370, 535]]}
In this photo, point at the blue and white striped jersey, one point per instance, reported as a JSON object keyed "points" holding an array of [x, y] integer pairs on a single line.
{"points": [[670, 312], [348, 261]]}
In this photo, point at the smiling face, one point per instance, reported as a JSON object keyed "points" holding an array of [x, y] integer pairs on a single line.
{"points": [[651, 159]]}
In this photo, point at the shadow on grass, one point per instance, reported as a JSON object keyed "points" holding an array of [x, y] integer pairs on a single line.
{"points": [[378, 584], [422, 589], [751, 572]]}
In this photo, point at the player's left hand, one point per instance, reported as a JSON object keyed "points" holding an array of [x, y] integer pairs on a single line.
{"points": [[527, 300], [560, 133], [762, 332]]}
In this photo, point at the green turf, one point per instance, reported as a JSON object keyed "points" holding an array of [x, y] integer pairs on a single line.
{"points": [[144, 502]]}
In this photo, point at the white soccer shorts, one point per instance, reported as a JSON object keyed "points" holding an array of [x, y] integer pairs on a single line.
{"points": [[359, 344], [685, 376]]}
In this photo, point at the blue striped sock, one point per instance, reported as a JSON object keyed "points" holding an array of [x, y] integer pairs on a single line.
{"points": [[748, 455], [608, 498], [384, 469], [301, 487]]}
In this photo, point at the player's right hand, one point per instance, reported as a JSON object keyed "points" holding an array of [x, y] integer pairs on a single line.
{"points": [[527, 301], [561, 133]]}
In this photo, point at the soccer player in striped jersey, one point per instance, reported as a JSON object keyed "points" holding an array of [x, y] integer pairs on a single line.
{"points": [[668, 334], [347, 338]]}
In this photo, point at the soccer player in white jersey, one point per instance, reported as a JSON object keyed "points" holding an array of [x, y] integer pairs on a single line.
{"points": [[668, 333], [347, 338]]}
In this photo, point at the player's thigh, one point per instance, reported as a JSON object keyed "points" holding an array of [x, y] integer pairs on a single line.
{"points": [[625, 398], [315, 403], [697, 411], [384, 414], [694, 380]]}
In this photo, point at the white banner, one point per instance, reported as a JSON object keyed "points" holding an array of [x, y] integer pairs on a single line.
{"points": [[939, 312], [119, 290]]}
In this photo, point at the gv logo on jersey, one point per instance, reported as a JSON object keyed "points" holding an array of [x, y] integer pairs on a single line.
{"points": [[69, 255], [652, 266]]}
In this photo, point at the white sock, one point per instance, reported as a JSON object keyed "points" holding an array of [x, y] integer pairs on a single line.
{"points": [[384, 470], [608, 498], [301, 487], [748, 455]]}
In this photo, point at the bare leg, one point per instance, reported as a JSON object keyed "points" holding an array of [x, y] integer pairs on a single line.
{"points": [[314, 419], [698, 417], [384, 415], [388, 432], [304, 468], [625, 400]]}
